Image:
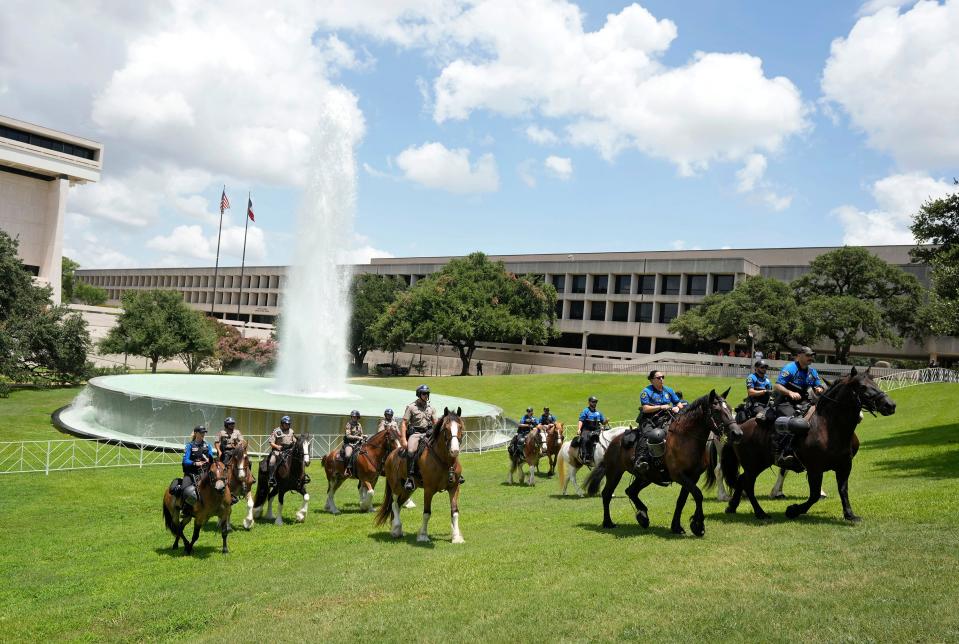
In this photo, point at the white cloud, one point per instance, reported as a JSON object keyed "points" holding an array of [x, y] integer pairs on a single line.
{"points": [[541, 135], [536, 58], [751, 181], [434, 166], [895, 76], [897, 198], [526, 170], [560, 167], [190, 242], [873, 6]]}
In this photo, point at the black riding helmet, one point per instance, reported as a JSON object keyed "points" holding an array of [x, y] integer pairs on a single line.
{"points": [[760, 363], [199, 428], [422, 389], [355, 413], [529, 410], [593, 400], [388, 413], [229, 421]]}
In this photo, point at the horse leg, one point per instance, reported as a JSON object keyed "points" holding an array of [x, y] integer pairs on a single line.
{"points": [[455, 515], [749, 485], [304, 509], [512, 468], [396, 529], [572, 475], [248, 520], [532, 479], [777, 491], [424, 535], [632, 491], [279, 508], [269, 506], [677, 525], [842, 480], [721, 493], [332, 486], [697, 522], [612, 480], [188, 545], [815, 486], [224, 530]]}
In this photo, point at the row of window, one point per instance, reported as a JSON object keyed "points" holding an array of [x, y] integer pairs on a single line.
{"points": [[645, 285], [621, 343], [222, 297], [184, 281], [665, 312], [39, 140]]}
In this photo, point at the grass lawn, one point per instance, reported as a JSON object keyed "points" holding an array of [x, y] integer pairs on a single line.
{"points": [[84, 555]]}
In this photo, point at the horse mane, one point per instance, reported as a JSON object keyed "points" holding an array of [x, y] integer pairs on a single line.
{"points": [[828, 401], [701, 404]]}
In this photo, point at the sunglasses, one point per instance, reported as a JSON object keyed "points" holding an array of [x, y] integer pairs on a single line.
{"points": [[659, 377]]}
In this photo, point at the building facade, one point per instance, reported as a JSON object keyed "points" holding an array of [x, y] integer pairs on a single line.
{"points": [[610, 305], [37, 167]]}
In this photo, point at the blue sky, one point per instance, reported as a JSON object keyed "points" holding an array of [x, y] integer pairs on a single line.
{"points": [[698, 124]]}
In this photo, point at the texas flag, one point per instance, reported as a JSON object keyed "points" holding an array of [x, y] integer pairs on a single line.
{"points": [[249, 209]]}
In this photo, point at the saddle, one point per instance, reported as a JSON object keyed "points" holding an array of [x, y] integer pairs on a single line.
{"points": [[650, 443]]}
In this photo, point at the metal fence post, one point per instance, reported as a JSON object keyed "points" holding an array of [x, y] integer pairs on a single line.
{"points": [[21, 457], [46, 468], [141, 455]]}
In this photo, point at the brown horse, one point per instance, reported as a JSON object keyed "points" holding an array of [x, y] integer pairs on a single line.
{"points": [[554, 442], [290, 476], [241, 478], [214, 499], [534, 448], [370, 458], [685, 459], [436, 461], [830, 444]]}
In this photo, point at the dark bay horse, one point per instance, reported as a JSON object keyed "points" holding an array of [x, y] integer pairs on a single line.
{"points": [[534, 448], [241, 478], [440, 455], [290, 477], [830, 444], [685, 460], [554, 442], [214, 499], [370, 459]]}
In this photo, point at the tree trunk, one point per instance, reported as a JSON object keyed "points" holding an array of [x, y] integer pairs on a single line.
{"points": [[466, 355], [153, 363], [358, 356]]}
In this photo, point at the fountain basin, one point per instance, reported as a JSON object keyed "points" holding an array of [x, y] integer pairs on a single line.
{"points": [[162, 409]]}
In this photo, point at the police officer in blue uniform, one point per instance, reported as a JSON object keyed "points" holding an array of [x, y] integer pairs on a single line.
{"points": [[758, 391], [791, 389], [547, 418], [197, 456], [590, 422], [656, 400], [526, 424]]}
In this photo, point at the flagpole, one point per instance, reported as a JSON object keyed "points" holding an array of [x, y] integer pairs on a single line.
{"points": [[246, 226], [216, 267]]}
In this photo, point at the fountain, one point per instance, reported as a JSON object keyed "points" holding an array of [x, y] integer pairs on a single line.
{"points": [[310, 384]]}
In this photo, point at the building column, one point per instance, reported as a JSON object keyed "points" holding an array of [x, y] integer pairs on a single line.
{"points": [[652, 345], [52, 267]]}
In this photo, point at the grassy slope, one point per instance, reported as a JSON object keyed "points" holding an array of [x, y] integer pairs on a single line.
{"points": [[84, 554]]}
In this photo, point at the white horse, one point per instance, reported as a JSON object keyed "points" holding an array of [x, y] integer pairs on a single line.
{"points": [[569, 457]]}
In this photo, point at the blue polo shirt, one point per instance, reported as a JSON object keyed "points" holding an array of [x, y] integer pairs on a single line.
{"points": [[592, 416], [187, 452], [650, 396], [528, 419], [547, 419], [800, 378], [754, 381]]}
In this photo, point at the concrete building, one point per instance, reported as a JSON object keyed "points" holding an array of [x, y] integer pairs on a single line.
{"points": [[611, 306], [37, 167]]}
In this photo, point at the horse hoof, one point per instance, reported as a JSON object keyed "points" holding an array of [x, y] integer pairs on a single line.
{"points": [[722, 498], [792, 512], [458, 539], [730, 510], [226, 551], [279, 521], [396, 534], [780, 495], [300, 517], [822, 495], [642, 518], [422, 538], [248, 523], [698, 528], [678, 530], [762, 516], [609, 524], [852, 517]]}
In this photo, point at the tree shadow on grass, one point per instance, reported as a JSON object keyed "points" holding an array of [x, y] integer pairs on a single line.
{"points": [[631, 529], [941, 462], [408, 538]]}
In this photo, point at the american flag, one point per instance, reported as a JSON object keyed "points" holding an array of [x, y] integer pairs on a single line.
{"points": [[249, 209], [224, 202]]}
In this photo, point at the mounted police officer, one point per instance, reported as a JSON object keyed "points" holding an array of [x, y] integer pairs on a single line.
{"points": [[387, 422], [282, 440], [758, 391], [657, 406], [547, 421], [197, 456], [591, 421], [227, 439], [418, 419], [790, 402], [526, 425], [352, 437]]}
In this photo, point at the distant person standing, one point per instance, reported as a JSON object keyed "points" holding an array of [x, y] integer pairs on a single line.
{"points": [[758, 355], [479, 367]]}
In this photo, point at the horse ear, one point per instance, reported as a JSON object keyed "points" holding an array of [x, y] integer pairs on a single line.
{"points": [[868, 369], [853, 372], [459, 411], [446, 411], [712, 394], [726, 393]]}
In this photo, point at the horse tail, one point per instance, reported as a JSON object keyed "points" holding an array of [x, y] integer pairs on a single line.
{"points": [[711, 456], [730, 465], [595, 478], [168, 518], [386, 508], [562, 465]]}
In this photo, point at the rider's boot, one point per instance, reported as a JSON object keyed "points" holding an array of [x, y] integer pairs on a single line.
{"points": [[452, 478], [408, 484], [786, 457], [272, 474]]}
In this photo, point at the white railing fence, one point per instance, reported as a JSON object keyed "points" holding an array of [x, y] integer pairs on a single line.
{"points": [[917, 377]]}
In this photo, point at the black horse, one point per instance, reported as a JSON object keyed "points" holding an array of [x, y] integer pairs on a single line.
{"points": [[290, 476], [830, 444]]}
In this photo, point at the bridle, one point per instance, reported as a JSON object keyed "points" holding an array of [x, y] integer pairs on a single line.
{"points": [[720, 428], [868, 402]]}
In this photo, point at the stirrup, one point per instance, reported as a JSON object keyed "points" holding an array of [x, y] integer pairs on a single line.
{"points": [[789, 462], [408, 484]]}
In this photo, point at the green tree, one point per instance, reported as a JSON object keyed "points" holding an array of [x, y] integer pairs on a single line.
{"points": [[937, 224], [470, 300], [761, 305], [39, 342], [200, 341], [67, 268], [370, 296], [89, 294], [154, 324], [853, 297]]}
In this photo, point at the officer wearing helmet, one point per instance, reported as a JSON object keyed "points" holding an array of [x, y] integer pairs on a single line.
{"points": [[227, 439], [352, 436], [387, 422], [418, 418], [197, 456], [526, 424], [758, 390], [590, 422], [282, 440]]}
